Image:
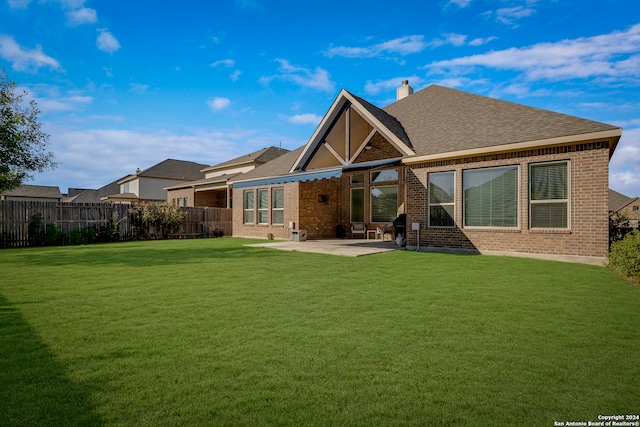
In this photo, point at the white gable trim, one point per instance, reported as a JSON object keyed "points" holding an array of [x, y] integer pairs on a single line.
{"points": [[341, 100]]}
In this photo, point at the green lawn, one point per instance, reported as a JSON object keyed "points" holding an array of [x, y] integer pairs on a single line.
{"points": [[208, 332]]}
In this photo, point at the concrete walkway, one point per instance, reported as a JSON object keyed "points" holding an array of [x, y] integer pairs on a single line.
{"points": [[343, 247]]}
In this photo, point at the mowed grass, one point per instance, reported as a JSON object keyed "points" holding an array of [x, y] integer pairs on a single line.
{"points": [[209, 332]]}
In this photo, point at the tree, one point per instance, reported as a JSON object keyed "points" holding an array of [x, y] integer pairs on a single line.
{"points": [[22, 142]]}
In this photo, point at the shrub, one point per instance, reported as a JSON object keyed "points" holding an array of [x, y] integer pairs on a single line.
{"points": [[152, 220], [624, 257]]}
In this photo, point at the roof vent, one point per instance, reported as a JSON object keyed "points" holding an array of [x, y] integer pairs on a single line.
{"points": [[404, 90]]}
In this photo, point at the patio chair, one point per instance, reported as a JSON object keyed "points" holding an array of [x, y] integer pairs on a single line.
{"points": [[358, 228]]}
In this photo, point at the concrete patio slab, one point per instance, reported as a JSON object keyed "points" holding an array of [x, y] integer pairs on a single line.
{"points": [[343, 247]]}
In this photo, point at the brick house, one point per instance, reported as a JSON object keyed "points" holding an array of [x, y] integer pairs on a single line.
{"points": [[628, 207], [474, 174], [215, 189], [149, 184]]}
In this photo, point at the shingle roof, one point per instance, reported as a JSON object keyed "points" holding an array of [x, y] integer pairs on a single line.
{"points": [[173, 169], [219, 178], [441, 120], [618, 201], [44, 191], [276, 167], [386, 119], [261, 156], [95, 196]]}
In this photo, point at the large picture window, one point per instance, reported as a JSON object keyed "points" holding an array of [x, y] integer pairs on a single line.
{"points": [[248, 206], [384, 203], [357, 205], [277, 205], [263, 206], [491, 197], [549, 195], [441, 199]]}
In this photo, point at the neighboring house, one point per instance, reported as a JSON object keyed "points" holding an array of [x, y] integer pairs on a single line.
{"points": [[471, 173], [628, 207], [215, 189], [149, 184], [33, 193], [95, 196]]}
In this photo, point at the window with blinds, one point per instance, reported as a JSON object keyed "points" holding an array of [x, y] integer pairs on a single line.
{"points": [[384, 203], [441, 199], [549, 195], [263, 206], [491, 197], [248, 206], [277, 205]]}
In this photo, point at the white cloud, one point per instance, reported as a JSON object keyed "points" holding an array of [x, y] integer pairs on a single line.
{"points": [[305, 119], [224, 62], [93, 158], [48, 105], [138, 89], [400, 46], [449, 38], [106, 42], [509, 16], [250, 6], [18, 4], [81, 16], [24, 59], [624, 167], [217, 104], [317, 79], [480, 41], [235, 75], [586, 57], [390, 85], [459, 3]]}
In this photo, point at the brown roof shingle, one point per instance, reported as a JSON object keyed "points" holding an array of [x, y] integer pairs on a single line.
{"points": [[438, 120]]}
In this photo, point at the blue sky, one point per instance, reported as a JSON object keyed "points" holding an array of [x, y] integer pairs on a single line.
{"points": [[126, 84]]}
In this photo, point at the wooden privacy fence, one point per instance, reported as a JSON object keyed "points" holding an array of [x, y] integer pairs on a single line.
{"points": [[205, 222], [16, 217]]}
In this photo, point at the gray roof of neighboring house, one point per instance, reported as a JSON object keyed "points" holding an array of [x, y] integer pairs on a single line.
{"points": [[276, 167], [261, 156], [95, 196], [33, 191], [438, 120], [618, 201], [219, 178], [172, 169]]}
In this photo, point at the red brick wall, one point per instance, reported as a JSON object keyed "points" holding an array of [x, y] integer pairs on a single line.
{"points": [[213, 198], [291, 209], [181, 193], [320, 218], [587, 234]]}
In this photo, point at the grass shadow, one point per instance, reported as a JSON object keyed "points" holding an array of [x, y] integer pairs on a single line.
{"points": [[35, 388]]}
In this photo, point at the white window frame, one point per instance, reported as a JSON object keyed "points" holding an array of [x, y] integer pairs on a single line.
{"points": [[262, 209], [566, 201], [247, 210], [493, 227], [453, 203], [276, 209]]}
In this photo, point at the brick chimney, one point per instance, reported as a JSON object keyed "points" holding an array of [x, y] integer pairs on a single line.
{"points": [[404, 90]]}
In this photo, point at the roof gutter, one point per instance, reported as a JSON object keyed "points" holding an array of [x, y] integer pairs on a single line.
{"points": [[613, 136]]}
